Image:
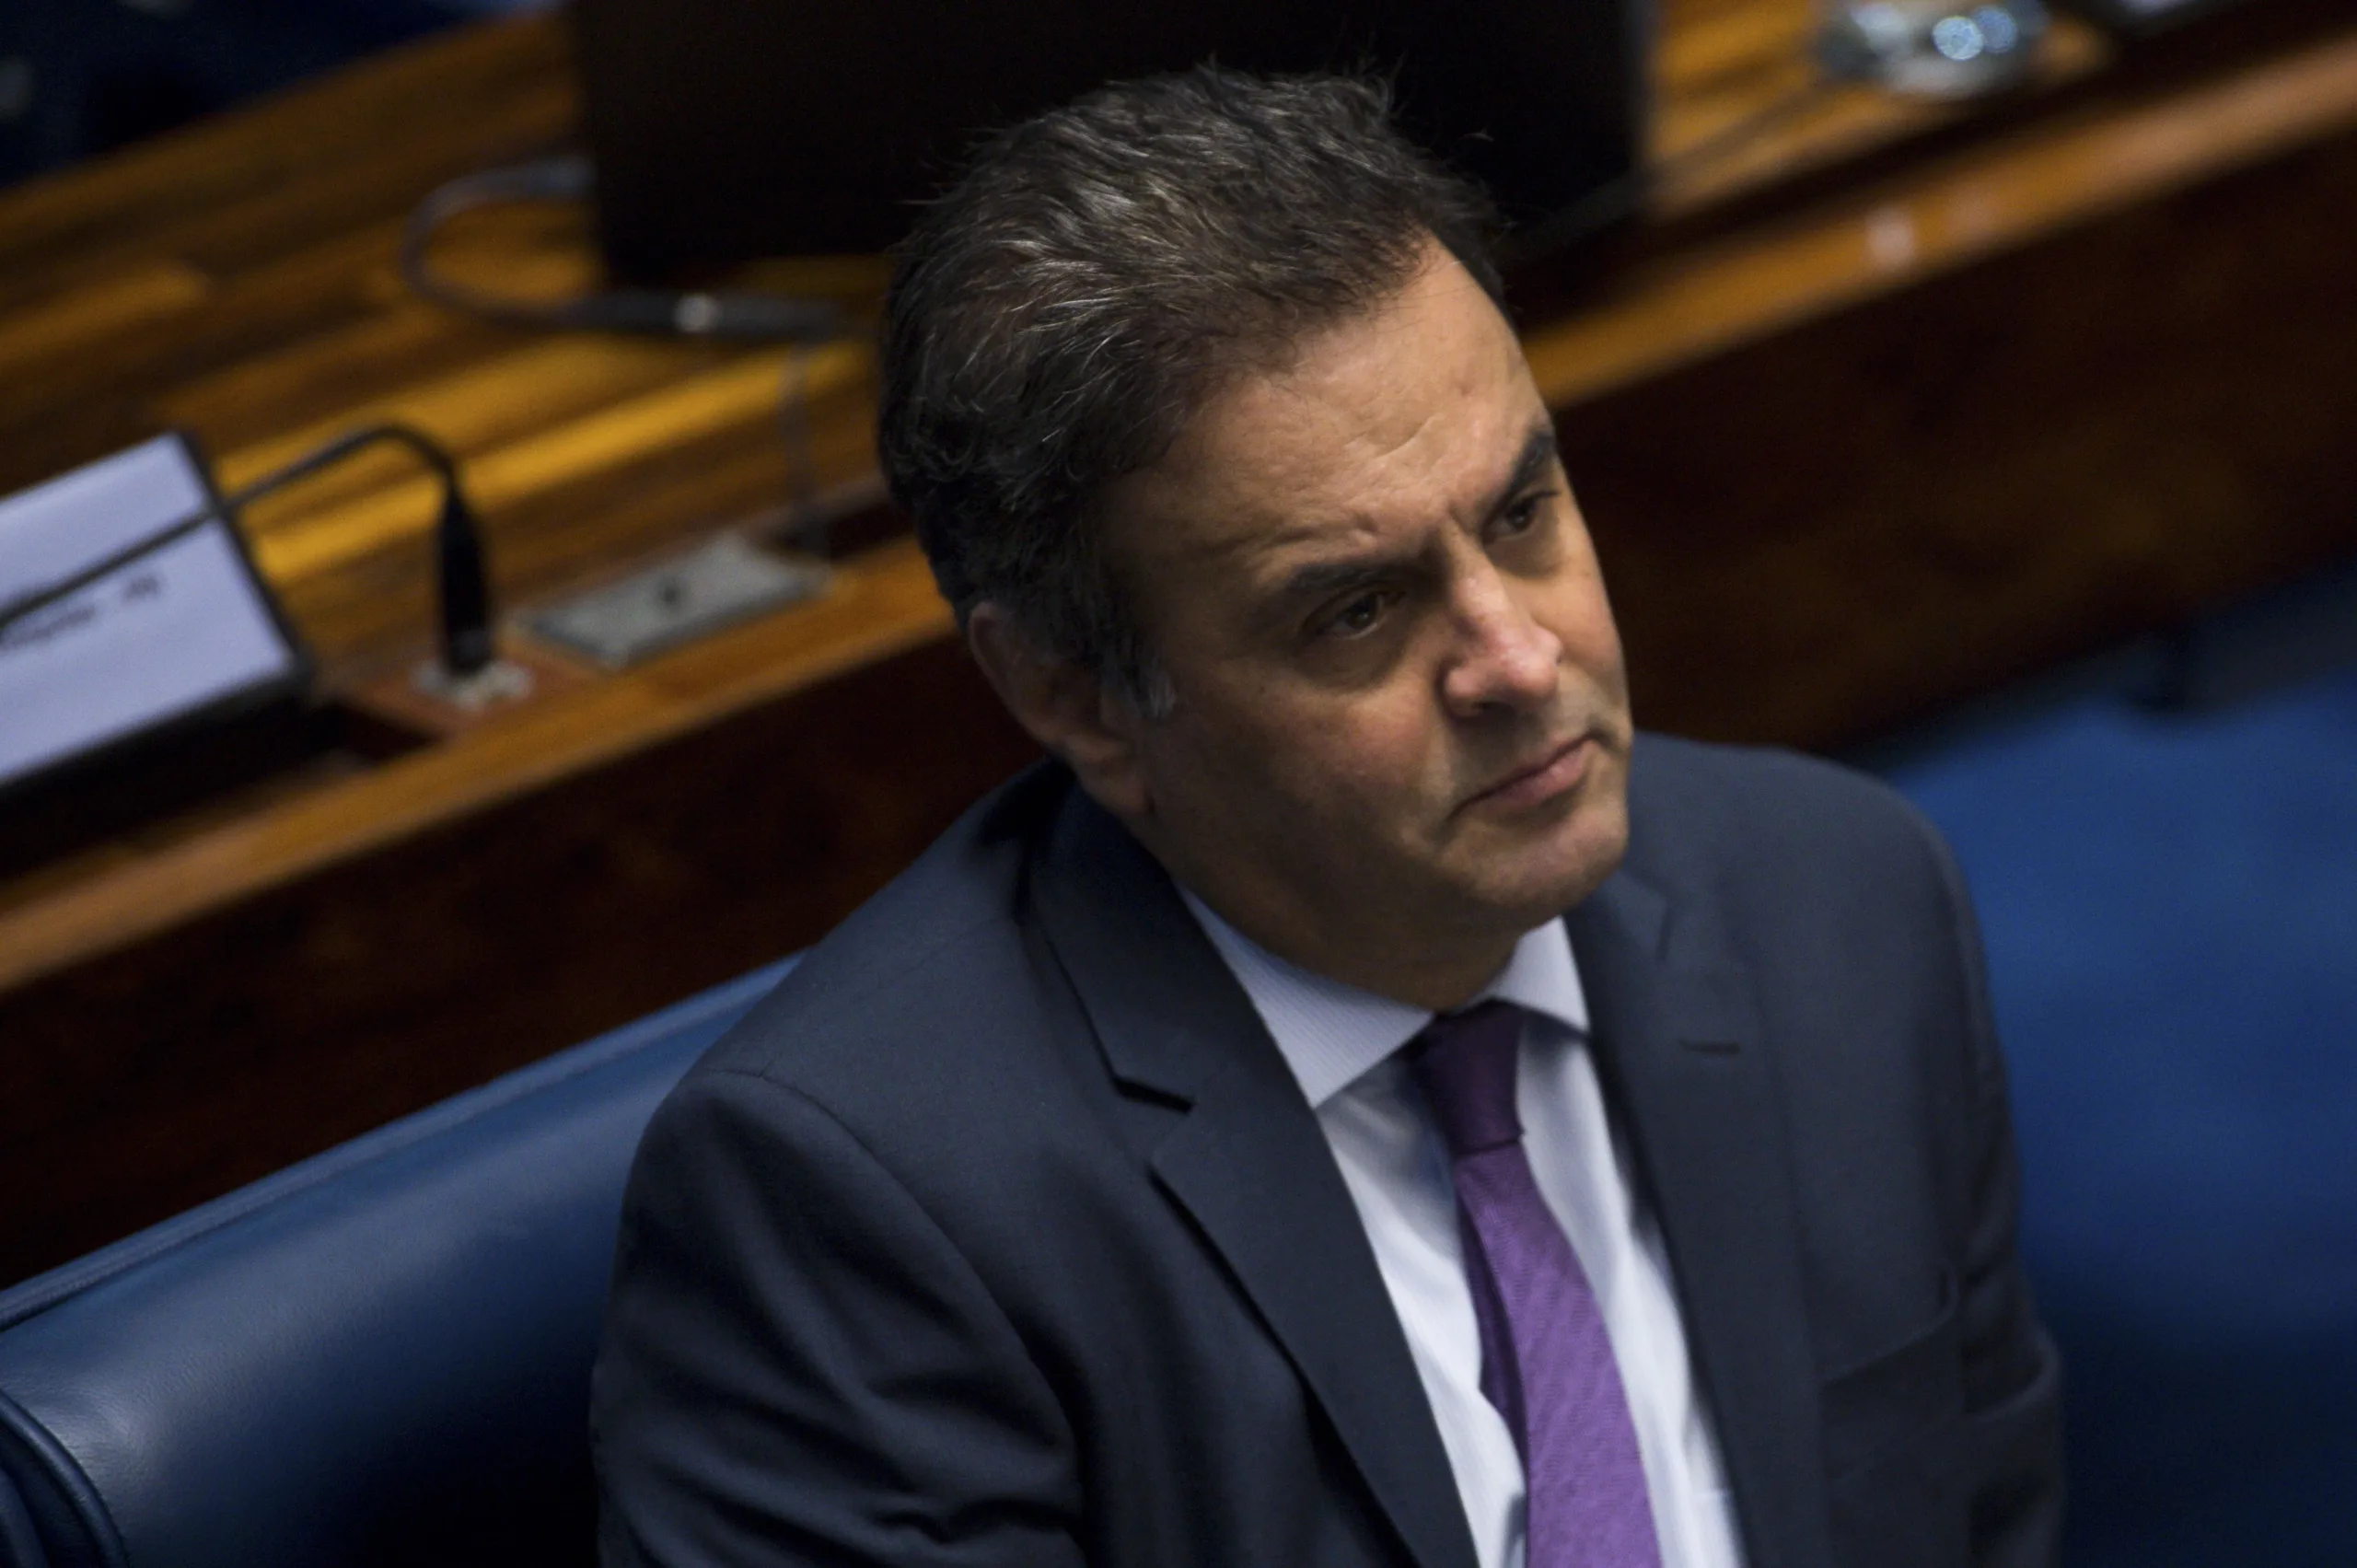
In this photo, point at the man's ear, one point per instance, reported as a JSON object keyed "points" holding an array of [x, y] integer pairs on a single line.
{"points": [[1069, 708]]}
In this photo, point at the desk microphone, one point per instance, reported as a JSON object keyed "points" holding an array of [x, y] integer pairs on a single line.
{"points": [[464, 584]]}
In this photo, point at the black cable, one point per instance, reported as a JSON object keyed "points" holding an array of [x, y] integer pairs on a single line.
{"points": [[806, 524], [465, 582], [1622, 196], [571, 177]]}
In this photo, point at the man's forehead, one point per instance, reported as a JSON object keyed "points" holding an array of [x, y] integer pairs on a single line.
{"points": [[1348, 495], [1416, 409]]}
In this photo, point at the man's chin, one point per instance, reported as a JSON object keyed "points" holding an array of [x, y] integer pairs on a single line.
{"points": [[1536, 881]]}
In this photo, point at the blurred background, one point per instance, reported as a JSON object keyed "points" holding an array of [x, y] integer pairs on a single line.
{"points": [[81, 77], [2167, 888], [2001, 440]]}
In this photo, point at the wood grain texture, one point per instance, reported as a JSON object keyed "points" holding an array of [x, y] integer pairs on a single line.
{"points": [[1830, 531], [308, 1011], [1911, 440], [1721, 64], [1942, 216], [882, 605], [1896, 403]]}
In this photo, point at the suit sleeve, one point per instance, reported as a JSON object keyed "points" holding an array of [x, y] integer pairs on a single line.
{"points": [[800, 1366], [2012, 1374]]}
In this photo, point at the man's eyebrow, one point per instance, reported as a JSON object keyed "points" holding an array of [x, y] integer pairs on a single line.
{"points": [[1529, 465], [1319, 579]]}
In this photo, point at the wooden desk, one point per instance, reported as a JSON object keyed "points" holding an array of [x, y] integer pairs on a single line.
{"points": [[1896, 405]]}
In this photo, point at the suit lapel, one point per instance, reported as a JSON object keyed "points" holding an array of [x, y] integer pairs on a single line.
{"points": [[1680, 1047], [1247, 1161]]}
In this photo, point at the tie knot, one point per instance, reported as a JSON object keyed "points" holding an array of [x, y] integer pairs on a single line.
{"points": [[1464, 1063]]}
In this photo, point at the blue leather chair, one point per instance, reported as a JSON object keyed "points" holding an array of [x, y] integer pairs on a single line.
{"points": [[378, 1356]]}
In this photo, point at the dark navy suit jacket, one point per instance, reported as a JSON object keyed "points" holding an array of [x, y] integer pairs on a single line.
{"points": [[1000, 1235]]}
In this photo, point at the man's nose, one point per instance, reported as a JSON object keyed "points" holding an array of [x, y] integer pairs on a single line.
{"points": [[1505, 659]]}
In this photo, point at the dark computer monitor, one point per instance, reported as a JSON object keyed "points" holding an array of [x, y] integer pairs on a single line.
{"points": [[727, 129]]}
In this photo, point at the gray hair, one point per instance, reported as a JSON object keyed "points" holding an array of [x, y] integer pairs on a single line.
{"points": [[1089, 282]]}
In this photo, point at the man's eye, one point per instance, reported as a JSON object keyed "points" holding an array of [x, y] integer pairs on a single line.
{"points": [[1522, 515], [1356, 615]]}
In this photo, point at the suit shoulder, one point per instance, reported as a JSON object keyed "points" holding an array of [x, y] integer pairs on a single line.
{"points": [[1834, 891], [1703, 809], [940, 940], [930, 1037]]}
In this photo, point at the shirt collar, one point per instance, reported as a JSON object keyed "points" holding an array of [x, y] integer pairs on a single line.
{"points": [[1331, 1033]]}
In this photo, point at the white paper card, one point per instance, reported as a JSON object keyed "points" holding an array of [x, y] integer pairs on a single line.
{"points": [[171, 633]]}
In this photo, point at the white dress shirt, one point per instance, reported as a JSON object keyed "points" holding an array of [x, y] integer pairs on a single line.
{"points": [[1343, 1045]]}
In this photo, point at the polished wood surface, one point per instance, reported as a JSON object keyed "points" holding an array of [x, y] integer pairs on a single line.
{"points": [[1891, 405], [1924, 433]]}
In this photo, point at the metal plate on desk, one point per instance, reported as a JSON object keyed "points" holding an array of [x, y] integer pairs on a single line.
{"points": [[717, 585]]}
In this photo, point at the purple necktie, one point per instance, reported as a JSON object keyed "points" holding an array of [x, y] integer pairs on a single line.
{"points": [[1546, 1362]]}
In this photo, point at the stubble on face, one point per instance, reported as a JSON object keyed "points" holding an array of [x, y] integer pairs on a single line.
{"points": [[1401, 731]]}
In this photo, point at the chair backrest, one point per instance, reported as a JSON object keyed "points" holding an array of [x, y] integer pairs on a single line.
{"points": [[380, 1355]]}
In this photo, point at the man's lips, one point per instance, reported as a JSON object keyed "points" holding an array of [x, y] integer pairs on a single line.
{"points": [[1557, 772]]}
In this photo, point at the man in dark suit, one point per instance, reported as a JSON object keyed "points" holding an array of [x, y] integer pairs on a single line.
{"points": [[1223, 1147]]}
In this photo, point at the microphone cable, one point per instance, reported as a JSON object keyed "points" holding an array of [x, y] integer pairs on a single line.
{"points": [[1625, 195], [465, 597], [572, 177]]}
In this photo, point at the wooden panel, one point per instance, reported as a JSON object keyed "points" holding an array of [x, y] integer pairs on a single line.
{"points": [[1834, 530], [1730, 67], [882, 604], [1945, 214], [219, 1049]]}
